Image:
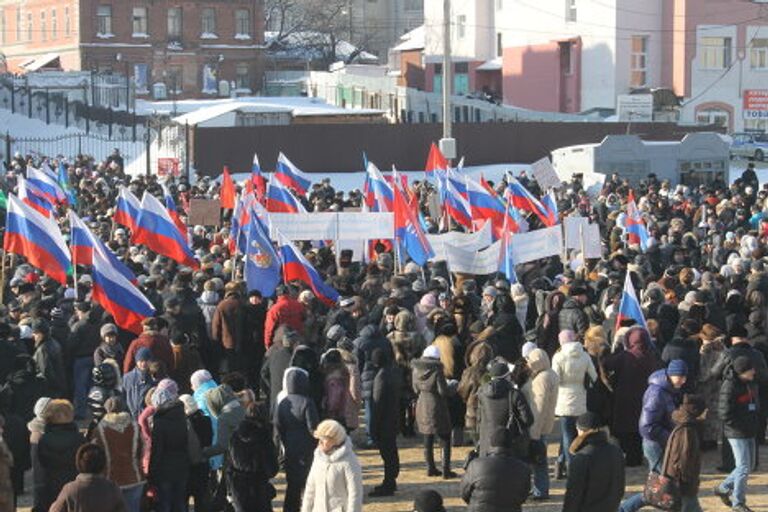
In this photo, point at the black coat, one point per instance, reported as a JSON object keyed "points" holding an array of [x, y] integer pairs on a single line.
{"points": [[573, 317], [686, 349], [595, 475], [56, 453], [296, 417], [738, 407], [277, 360], [385, 410], [84, 337], [252, 462], [22, 389], [169, 459], [493, 410], [498, 482], [727, 357], [369, 340]]}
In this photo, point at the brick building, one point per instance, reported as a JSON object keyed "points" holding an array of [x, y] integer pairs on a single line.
{"points": [[188, 46]]}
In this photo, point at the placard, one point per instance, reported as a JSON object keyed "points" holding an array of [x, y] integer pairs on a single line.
{"points": [[592, 246], [204, 212], [333, 226], [468, 241], [536, 245], [167, 166], [545, 174], [572, 225]]}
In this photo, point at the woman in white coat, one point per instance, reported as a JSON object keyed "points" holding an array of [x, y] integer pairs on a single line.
{"points": [[335, 482]]}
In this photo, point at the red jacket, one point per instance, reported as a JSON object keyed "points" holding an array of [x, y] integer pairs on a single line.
{"points": [[286, 311], [156, 342]]}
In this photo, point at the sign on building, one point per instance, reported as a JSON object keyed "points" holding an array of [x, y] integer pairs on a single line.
{"points": [[635, 108], [756, 104], [167, 166]]}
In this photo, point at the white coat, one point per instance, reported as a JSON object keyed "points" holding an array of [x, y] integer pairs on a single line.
{"points": [[572, 363], [335, 482]]}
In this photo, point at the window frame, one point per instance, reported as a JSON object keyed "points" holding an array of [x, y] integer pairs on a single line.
{"points": [[716, 57], [205, 19], [636, 58], [759, 53], [67, 22], [29, 27], [461, 26], [178, 26], [43, 26], [105, 19], [141, 20], [238, 75], [240, 25]]}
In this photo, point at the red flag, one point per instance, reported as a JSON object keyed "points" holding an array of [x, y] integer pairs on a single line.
{"points": [[435, 160], [227, 194]]}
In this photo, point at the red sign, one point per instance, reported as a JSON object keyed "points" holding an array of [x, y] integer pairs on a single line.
{"points": [[166, 166]]}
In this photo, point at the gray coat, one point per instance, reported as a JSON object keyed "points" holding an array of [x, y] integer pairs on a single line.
{"points": [[429, 383]]}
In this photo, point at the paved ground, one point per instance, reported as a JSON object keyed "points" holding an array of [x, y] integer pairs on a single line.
{"points": [[413, 479]]}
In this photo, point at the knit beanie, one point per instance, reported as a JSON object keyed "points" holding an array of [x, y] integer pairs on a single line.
{"points": [[199, 378], [677, 367]]}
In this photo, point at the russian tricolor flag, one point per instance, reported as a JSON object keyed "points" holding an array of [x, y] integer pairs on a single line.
{"points": [[410, 237], [257, 183], [379, 191], [485, 206], [128, 209], [84, 243], [291, 176], [456, 203], [637, 234], [435, 160], [280, 199], [156, 230], [549, 202], [48, 185], [173, 212], [118, 296], [630, 306], [37, 238], [34, 198], [241, 217], [524, 200], [297, 268]]}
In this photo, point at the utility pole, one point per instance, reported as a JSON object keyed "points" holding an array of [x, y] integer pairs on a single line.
{"points": [[447, 143]]}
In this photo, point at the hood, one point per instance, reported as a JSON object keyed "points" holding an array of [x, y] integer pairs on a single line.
{"points": [[538, 361], [682, 416], [306, 358], [296, 381], [218, 397], [345, 451], [496, 388], [405, 321], [59, 412], [426, 368], [209, 297], [572, 349], [116, 421], [659, 378]]}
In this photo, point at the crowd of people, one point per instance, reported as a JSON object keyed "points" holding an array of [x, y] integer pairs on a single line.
{"points": [[225, 388]]}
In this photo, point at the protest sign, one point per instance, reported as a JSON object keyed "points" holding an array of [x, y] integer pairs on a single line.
{"points": [[572, 225], [465, 261], [592, 246], [467, 241], [204, 212], [333, 226], [536, 245], [545, 174]]}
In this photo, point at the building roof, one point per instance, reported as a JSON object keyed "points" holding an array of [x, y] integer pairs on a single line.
{"points": [[490, 65], [41, 62], [308, 46], [413, 40]]}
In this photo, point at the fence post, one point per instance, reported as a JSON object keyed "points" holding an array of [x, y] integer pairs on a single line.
{"points": [[109, 120], [7, 149], [66, 112], [148, 138], [13, 97], [29, 106], [87, 118], [47, 106], [79, 144], [133, 127]]}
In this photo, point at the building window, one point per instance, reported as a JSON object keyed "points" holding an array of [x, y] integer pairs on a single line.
{"points": [[43, 31], [139, 21], [209, 20], [104, 20], [638, 66], [67, 22], [242, 78], [54, 24], [461, 26], [175, 79], [570, 11], [499, 44], [716, 52], [243, 23], [758, 54], [174, 22], [714, 116], [29, 26]]}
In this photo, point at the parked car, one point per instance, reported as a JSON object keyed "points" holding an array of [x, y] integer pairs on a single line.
{"points": [[749, 145]]}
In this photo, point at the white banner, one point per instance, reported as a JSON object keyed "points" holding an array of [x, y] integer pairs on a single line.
{"points": [[333, 226], [466, 241], [572, 225], [473, 262], [545, 174], [592, 246], [538, 244]]}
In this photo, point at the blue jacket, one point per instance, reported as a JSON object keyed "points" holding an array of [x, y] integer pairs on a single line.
{"points": [[136, 384], [199, 395], [659, 400]]}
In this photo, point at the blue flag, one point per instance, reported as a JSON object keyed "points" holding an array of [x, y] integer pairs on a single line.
{"points": [[262, 264]]}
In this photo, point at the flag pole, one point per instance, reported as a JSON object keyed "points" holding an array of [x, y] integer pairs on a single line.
{"points": [[583, 247], [2, 278]]}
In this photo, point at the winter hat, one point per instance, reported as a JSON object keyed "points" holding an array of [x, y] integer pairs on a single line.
{"points": [[40, 406], [431, 352], [428, 300], [143, 354], [738, 331], [331, 429], [335, 333], [107, 329], [491, 291], [589, 421], [566, 336], [199, 378], [190, 405], [528, 347], [166, 391], [677, 367], [742, 364], [517, 291], [498, 370], [428, 501]]}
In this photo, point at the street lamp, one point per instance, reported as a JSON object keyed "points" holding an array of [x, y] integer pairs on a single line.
{"points": [[119, 58]]}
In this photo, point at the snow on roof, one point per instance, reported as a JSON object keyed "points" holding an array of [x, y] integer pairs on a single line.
{"points": [[208, 109], [490, 65], [413, 40], [309, 45]]}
